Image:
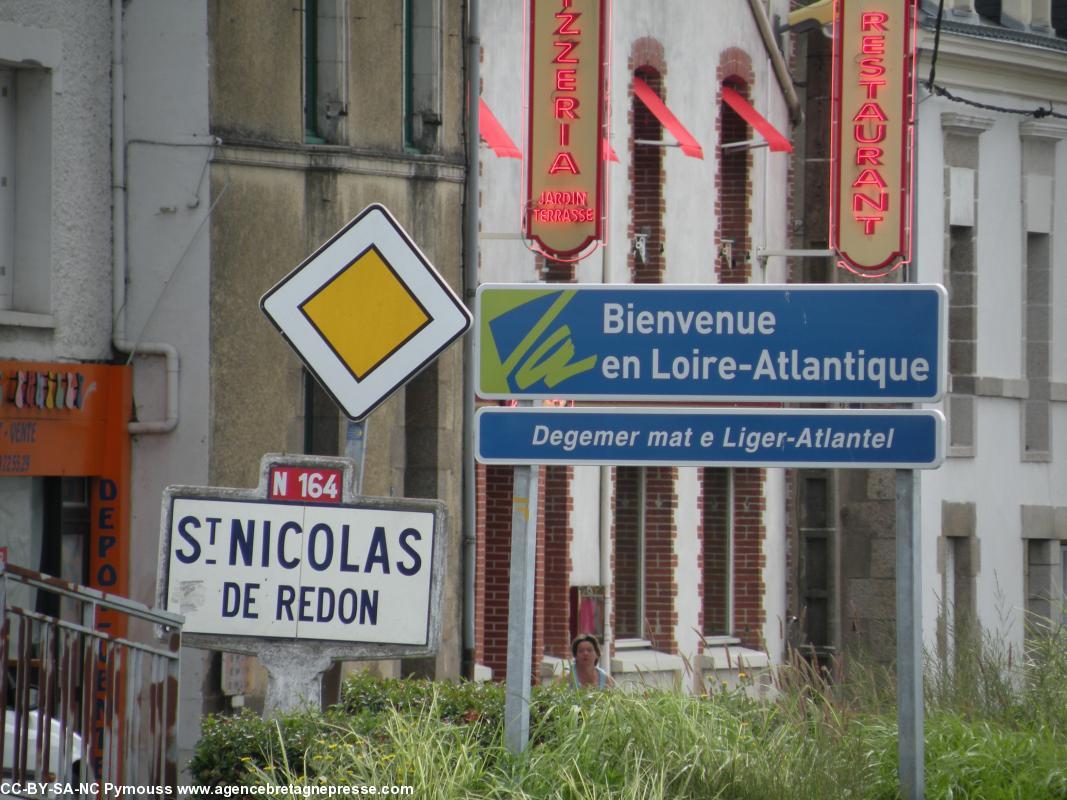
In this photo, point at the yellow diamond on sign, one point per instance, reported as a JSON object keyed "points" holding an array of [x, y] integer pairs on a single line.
{"points": [[365, 313]]}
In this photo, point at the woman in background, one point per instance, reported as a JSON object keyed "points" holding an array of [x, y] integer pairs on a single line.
{"points": [[585, 668]]}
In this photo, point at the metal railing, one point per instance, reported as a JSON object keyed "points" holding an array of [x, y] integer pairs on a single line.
{"points": [[82, 705]]}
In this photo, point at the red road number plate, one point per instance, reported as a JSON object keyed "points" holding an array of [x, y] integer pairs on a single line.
{"points": [[305, 484]]}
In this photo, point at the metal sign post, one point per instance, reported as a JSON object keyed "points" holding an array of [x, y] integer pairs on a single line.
{"points": [[356, 449], [520, 609], [909, 636], [911, 738]]}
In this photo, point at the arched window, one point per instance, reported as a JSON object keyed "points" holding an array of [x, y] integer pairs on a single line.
{"points": [[646, 186], [733, 264]]}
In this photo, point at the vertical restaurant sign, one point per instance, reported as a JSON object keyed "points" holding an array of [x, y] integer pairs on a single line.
{"points": [[563, 203], [872, 120]]}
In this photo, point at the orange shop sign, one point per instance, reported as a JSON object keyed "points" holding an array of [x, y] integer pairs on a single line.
{"points": [[563, 212], [72, 419], [54, 417], [872, 144]]}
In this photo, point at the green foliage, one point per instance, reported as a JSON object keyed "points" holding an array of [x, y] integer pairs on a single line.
{"points": [[977, 679], [985, 759], [478, 705], [983, 679], [1044, 685], [663, 744], [828, 733], [231, 746], [414, 748]]}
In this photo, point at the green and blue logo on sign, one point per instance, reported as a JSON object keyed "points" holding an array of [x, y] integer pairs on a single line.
{"points": [[524, 344], [874, 343]]}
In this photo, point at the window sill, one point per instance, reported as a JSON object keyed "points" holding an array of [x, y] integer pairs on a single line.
{"points": [[724, 657], [552, 669], [1036, 457], [644, 661], [25, 319], [632, 644], [728, 668], [989, 386], [720, 640]]}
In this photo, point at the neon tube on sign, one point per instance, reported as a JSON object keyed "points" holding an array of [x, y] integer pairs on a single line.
{"points": [[873, 115], [563, 203]]}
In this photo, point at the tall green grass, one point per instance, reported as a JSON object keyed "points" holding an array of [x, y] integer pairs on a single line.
{"points": [[996, 727], [612, 745]]}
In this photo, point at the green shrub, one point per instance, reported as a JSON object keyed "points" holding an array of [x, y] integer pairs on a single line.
{"points": [[1044, 686], [480, 705], [231, 746], [828, 734], [987, 760]]}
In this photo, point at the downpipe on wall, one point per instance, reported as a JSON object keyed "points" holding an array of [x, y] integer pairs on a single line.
{"points": [[118, 242], [470, 284]]}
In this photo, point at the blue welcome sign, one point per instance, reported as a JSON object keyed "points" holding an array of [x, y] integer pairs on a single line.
{"points": [[881, 438], [816, 343]]}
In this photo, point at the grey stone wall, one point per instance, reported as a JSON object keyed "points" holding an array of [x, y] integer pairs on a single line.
{"points": [[281, 198], [867, 531]]}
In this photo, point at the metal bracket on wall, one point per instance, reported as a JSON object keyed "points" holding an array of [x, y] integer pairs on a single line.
{"points": [[763, 253], [640, 246], [747, 144], [656, 143]]}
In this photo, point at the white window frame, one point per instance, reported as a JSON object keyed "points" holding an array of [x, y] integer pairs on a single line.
{"points": [[33, 55]]}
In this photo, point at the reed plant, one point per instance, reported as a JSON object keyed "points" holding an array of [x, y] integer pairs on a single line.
{"points": [[996, 727]]}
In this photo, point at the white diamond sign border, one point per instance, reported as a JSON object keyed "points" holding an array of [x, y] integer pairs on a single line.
{"points": [[449, 318]]}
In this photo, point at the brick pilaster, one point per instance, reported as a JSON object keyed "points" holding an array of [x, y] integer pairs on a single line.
{"points": [[715, 534], [495, 542], [661, 560], [559, 534], [734, 178], [646, 173], [749, 558]]}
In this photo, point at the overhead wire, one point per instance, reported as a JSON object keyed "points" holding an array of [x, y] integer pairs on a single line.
{"points": [[941, 91]]}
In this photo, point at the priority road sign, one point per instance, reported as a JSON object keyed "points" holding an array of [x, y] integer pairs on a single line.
{"points": [[366, 311]]}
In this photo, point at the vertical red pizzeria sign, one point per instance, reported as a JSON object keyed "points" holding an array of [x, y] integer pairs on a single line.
{"points": [[873, 115], [563, 211]]}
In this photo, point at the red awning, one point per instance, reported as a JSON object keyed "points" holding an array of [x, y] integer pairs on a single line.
{"points": [[660, 111], [777, 142], [494, 134], [607, 152]]}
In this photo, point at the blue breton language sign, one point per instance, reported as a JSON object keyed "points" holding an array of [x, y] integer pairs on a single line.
{"points": [[817, 343], [904, 439]]}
